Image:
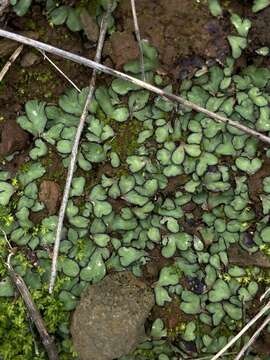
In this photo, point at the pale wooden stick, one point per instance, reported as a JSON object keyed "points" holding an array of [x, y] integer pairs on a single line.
{"points": [[243, 331], [6, 239], [59, 70], [33, 312], [253, 338], [10, 61], [265, 294], [71, 168], [138, 37], [107, 70]]}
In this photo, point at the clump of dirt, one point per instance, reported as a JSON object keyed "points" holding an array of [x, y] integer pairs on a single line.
{"points": [[12, 138], [185, 33], [109, 320]]}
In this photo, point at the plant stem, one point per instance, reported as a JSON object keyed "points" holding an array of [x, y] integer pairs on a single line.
{"points": [[253, 338], [60, 71], [242, 332], [10, 61], [138, 37], [33, 312], [71, 168]]}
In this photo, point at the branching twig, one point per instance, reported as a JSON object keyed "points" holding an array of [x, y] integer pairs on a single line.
{"points": [[59, 70], [242, 332], [6, 239], [138, 37], [253, 338], [32, 310], [10, 61], [71, 168], [105, 69], [46, 339]]}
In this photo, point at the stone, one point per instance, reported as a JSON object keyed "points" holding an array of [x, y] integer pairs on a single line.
{"points": [[13, 138], [29, 59], [90, 26], [109, 320], [49, 194]]}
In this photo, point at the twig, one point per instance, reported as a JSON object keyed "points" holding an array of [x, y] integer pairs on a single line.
{"points": [[59, 70], [6, 239], [253, 338], [265, 294], [138, 37], [10, 61], [71, 168], [33, 335], [243, 331], [209, 356], [34, 314], [107, 70]]}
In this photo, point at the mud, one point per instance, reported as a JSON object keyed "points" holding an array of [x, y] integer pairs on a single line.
{"points": [[184, 32]]}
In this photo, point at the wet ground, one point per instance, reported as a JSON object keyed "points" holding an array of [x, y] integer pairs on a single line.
{"points": [[187, 37]]}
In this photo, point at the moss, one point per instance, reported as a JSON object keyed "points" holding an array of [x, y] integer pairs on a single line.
{"points": [[176, 331], [262, 277], [17, 339], [125, 142], [39, 80]]}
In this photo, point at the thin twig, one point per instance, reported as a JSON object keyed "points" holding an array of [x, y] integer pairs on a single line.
{"points": [[209, 356], [265, 294], [6, 239], [107, 70], [253, 338], [59, 70], [71, 168], [138, 37], [33, 335], [33, 312], [243, 331], [10, 61]]}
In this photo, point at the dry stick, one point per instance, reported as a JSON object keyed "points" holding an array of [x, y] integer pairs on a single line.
{"points": [[138, 37], [107, 70], [46, 339], [60, 71], [253, 338], [265, 294], [243, 331], [71, 168], [10, 61]]}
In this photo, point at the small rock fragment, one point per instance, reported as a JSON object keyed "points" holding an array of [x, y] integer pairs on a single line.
{"points": [[13, 138], [29, 59], [109, 320], [89, 25], [49, 194]]}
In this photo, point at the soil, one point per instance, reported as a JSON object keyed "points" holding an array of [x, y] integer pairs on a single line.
{"points": [[187, 37]]}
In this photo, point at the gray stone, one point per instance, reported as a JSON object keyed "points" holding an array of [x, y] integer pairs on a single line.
{"points": [[109, 320], [29, 59]]}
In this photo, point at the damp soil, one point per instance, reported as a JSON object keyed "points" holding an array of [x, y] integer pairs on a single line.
{"points": [[187, 37]]}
